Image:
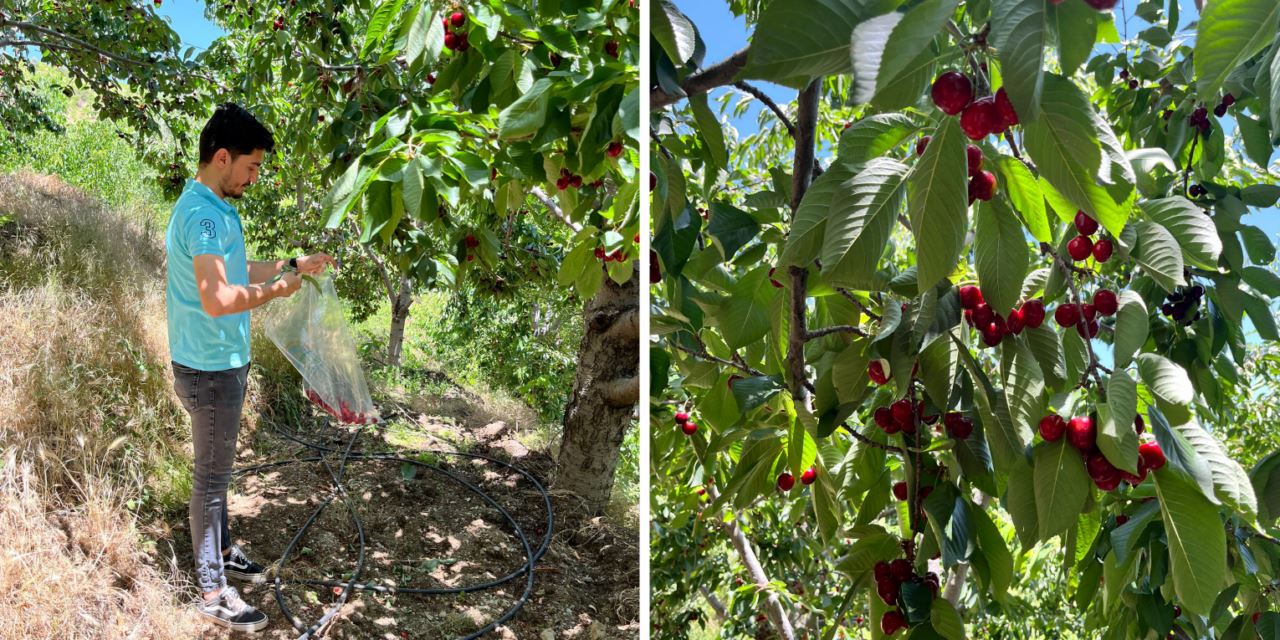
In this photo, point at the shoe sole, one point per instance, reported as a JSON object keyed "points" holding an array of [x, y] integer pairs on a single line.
{"points": [[252, 578], [237, 626]]}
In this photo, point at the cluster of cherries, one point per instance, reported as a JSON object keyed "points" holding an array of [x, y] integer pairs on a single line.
{"points": [[470, 242], [568, 179], [952, 92], [994, 327], [786, 480], [890, 577], [344, 412], [902, 416], [1183, 305], [1083, 245], [455, 40], [1082, 433], [688, 426], [617, 255]]}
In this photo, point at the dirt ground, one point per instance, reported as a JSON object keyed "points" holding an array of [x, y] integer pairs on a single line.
{"points": [[422, 530]]}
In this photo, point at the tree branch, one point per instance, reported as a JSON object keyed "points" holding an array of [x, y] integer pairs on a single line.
{"points": [[777, 612], [83, 43], [714, 602], [705, 355], [872, 443], [768, 102], [554, 208], [702, 81]]}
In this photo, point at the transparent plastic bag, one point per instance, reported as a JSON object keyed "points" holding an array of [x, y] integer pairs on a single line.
{"points": [[310, 328]]}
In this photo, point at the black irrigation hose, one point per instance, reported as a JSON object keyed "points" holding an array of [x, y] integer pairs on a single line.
{"points": [[526, 569]]}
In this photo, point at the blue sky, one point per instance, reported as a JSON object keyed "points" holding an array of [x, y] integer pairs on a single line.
{"points": [[186, 17]]}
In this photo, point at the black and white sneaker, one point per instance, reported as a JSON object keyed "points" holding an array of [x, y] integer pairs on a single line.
{"points": [[230, 611], [237, 565]]}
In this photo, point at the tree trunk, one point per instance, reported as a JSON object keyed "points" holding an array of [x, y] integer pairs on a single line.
{"points": [[399, 314], [605, 391]]}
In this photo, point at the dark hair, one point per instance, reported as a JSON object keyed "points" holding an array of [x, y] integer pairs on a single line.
{"points": [[234, 129]]}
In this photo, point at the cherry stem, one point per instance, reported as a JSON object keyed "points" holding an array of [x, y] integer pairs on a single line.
{"points": [[1094, 364], [1186, 171]]}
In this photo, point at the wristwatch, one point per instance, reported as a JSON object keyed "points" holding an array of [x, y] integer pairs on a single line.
{"points": [[293, 263]]}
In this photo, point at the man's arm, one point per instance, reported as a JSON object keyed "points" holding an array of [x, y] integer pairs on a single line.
{"points": [[220, 298], [260, 271]]}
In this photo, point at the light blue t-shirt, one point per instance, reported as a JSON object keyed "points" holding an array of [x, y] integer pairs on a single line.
{"points": [[202, 223]]}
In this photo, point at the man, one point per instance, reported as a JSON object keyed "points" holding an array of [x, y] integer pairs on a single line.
{"points": [[211, 288]]}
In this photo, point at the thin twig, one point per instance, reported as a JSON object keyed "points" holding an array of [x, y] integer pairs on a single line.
{"points": [[826, 331], [554, 208], [768, 102], [865, 311], [705, 355], [868, 441]]}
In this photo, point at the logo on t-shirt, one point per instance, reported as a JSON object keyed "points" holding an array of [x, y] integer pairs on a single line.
{"points": [[208, 232]]}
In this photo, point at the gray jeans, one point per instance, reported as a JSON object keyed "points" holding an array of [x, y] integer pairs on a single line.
{"points": [[214, 400]]}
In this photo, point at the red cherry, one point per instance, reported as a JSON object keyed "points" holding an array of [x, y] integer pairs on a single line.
{"points": [[615, 149], [1108, 482], [901, 570], [682, 417], [1088, 329], [881, 571], [921, 144], [900, 490], [903, 412], [892, 622], [970, 297], [992, 335], [1081, 433], [1015, 322], [983, 315], [883, 418], [611, 48], [471, 242], [1098, 466], [1080, 247], [980, 118], [786, 481], [1033, 312], [601, 255], [1105, 302], [1067, 315], [877, 370], [960, 429], [974, 156], [1151, 455], [1052, 427], [952, 92], [1138, 424], [982, 186], [772, 281], [1102, 250], [689, 428], [1255, 616], [451, 41], [809, 476], [1005, 108], [457, 18], [1089, 312], [1084, 224]]}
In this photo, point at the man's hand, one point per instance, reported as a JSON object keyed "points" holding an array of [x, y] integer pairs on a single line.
{"points": [[288, 283], [313, 264]]}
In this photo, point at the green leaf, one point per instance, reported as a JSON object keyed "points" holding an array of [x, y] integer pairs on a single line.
{"points": [[1024, 389], [1024, 192], [863, 213], [1193, 230], [1275, 90], [1144, 162], [1077, 27], [1116, 438], [1000, 255], [1230, 481], [1197, 543], [527, 114], [731, 228], [672, 30], [1019, 31], [1049, 354], [1180, 454], [1229, 33], [1079, 155], [1265, 479], [1020, 502], [826, 503], [1132, 325], [382, 17], [338, 202], [1061, 486], [937, 193], [745, 315], [884, 46], [1159, 255], [426, 38], [946, 620], [1261, 249], [1166, 380], [873, 137], [994, 550], [795, 42], [1257, 140], [1264, 280], [709, 129], [804, 241]]}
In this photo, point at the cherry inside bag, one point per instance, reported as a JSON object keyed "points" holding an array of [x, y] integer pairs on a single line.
{"points": [[310, 328]]}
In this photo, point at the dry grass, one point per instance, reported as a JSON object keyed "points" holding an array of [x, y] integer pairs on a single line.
{"points": [[87, 419]]}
